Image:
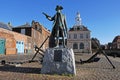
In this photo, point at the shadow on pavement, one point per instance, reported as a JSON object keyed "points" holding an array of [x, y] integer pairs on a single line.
{"points": [[12, 68]]}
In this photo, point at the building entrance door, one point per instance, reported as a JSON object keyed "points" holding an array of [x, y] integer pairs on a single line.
{"points": [[20, 47], [2, 46]]}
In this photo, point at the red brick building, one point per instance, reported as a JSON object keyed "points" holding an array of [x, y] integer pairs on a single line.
{"points": [[10, 39], [36, 31], [23, 38]]}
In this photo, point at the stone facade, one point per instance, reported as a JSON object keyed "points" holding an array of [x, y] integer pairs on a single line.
{"points": [[79, 37]]}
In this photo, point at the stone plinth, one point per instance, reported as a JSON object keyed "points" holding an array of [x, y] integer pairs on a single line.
{"points": [[58, 61]]}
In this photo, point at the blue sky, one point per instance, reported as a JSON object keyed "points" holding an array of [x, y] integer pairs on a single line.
{"points": [[102, 17]]}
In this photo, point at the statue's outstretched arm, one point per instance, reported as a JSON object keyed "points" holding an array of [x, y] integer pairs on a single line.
{"points": [[48, 17]]}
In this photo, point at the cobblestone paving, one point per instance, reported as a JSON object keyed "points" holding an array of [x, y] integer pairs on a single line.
{"points": [[100, 70]]}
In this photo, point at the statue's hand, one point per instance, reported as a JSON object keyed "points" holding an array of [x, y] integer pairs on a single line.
{"points": [[46, 15]]}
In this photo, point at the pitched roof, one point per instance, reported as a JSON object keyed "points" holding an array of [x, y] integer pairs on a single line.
{"points": [[5, 26], [79, 28], [23, 26]]}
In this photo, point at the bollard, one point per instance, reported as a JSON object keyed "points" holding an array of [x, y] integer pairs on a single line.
{"points": [[3, 62]]}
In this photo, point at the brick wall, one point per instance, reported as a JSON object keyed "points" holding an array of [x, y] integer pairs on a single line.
{"points": [[11, 38], [37, 38], [39, 34]]}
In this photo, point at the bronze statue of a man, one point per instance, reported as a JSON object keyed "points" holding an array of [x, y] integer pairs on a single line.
{"points": [[59, 31]]}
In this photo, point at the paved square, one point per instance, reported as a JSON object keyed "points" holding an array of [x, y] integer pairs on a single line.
{"points": [[101, 70]]}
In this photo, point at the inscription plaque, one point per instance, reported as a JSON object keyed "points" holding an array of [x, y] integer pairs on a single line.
{"points": [[58, 55]]}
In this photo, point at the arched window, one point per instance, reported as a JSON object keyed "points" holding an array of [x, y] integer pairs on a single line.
{"points": [[75, 46], [81, 46]]}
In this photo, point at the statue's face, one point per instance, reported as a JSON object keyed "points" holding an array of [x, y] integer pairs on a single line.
{"points": [[58, 10]]}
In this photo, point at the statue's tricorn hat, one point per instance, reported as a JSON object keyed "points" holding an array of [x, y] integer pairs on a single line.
{"points": [[58, 7]]}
